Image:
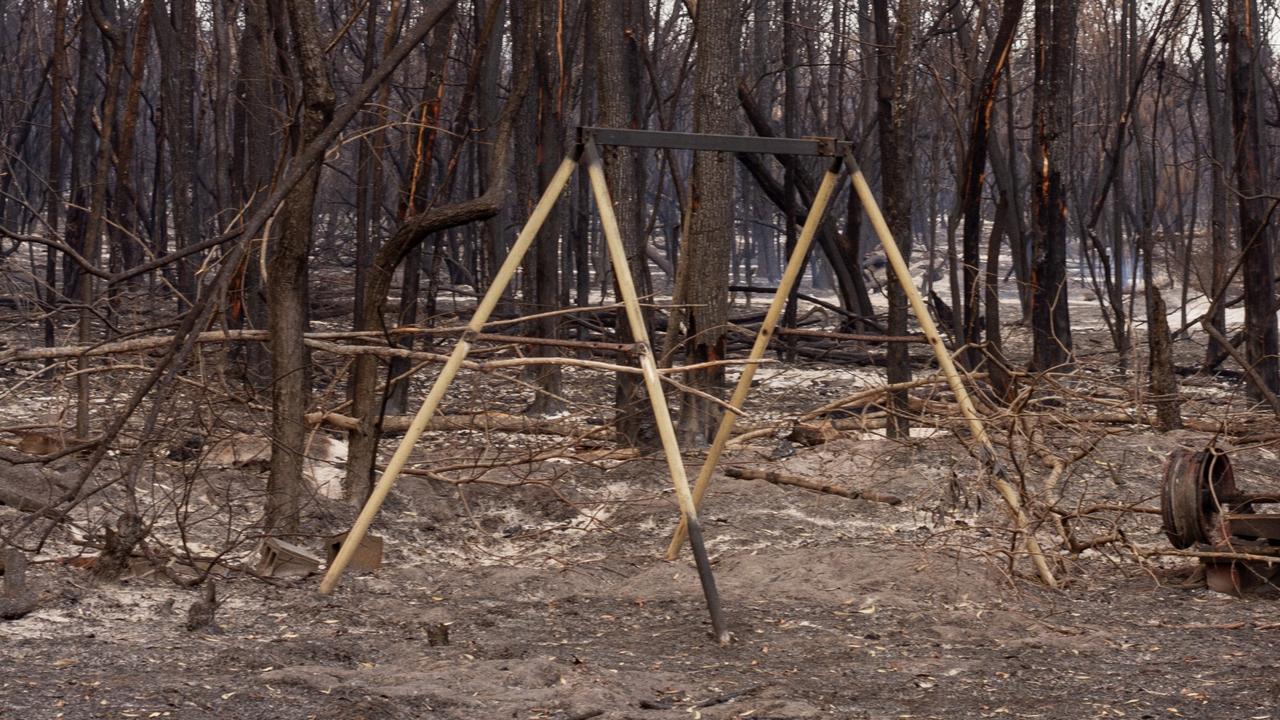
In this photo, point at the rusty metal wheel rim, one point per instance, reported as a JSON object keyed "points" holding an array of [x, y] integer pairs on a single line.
{"points": [[1195, 487]]}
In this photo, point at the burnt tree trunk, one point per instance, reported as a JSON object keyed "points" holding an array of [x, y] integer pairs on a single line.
{"points": [[1163, 381], [255, 142], [416, 196], [126, 250], [702, 277], [1055, 33], [363, 443], [894, 66], [974, 172], [544, 256], [175, 27], [1219, 169], [614, 27], [57, 81], [997, 365], [1243, 80], [287, 311]]}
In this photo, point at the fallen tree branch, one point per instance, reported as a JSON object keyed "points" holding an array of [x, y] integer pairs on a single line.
{"points": [[481, 421], [778, 478], [1209, 555], [1141, 417], [868, 394]]}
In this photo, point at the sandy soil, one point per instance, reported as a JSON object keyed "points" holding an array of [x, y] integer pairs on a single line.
{"points": [[559, 606]]}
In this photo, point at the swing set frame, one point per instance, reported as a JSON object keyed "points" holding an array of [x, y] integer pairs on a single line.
{"points": [[586, 151]]}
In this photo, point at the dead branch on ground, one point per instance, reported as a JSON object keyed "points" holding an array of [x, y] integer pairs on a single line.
{"points": [[780, 478]]}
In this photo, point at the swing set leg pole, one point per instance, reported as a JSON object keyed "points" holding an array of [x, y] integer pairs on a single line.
{"points": [[653, 384], [449, 372], [999, 480], [795, 266]]}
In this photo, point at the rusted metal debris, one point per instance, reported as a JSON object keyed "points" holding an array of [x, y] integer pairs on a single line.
{"points": [[1202, 508]]}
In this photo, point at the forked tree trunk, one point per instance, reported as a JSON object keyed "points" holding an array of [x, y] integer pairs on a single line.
{"points": [[416, 196], [363, 443], [975, 171]]}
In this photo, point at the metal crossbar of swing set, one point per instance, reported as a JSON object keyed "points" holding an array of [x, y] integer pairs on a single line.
{"points": [[663, 140]]}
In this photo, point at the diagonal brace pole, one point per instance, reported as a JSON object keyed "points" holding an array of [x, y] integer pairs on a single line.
{"points": [[976, 428], [795, 266], [450, 370], [653, 384]]}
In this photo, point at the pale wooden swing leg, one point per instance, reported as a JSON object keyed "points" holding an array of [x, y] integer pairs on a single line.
{"points": [[795, 266], [450, 370], [653, 384], [1007, 492]]}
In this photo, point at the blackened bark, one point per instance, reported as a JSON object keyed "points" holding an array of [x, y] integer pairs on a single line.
{"points": [[1055, 33], [175, 26], [894, 67], [614, 28], [126, 250], [550, 133], [114, 46], [363, 444], [703, 273], [997, 365], [368, 207], [790, 111], [841, 251], [975, 171], [416, 197], [255, 140], [1243, 71], [1219, 169], [1163, 381], [287, 290], [58, 72], [82, 153]]}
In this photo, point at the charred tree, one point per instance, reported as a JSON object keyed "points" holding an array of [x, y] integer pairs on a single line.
{"points": [[894, 68], [702, 276], [287, 311], [363, 443], [1244, 81], [614, 27], [974, 173], [175, 27], [1055, 35], [1219, 169]]}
